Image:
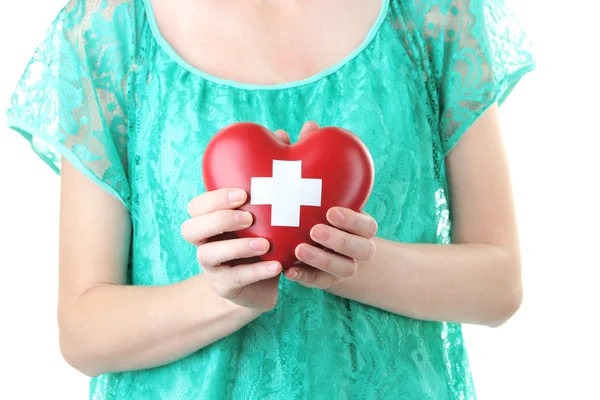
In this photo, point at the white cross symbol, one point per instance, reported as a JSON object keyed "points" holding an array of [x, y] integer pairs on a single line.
{"points": [[285, 192]]}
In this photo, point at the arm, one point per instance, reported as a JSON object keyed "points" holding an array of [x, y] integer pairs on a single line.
{"points": [[467, 283], [477, 279], [106, 326]]}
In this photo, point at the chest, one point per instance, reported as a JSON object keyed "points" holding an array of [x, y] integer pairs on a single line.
{"points": [[264, 42], [378, 94]]}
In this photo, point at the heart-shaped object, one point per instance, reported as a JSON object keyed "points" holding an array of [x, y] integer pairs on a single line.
{"points": [[290, 187]]}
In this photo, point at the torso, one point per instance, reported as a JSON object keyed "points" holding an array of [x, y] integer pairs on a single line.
{"points": [[265, 42], [195, 76]]}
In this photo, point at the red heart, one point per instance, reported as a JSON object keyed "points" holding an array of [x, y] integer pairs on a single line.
{"points": [[336, 157]]}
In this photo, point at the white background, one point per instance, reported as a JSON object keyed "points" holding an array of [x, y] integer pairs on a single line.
{"points": [[549, 350]]}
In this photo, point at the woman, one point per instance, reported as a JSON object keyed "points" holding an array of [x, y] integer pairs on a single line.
{"points": [[123, 97]]}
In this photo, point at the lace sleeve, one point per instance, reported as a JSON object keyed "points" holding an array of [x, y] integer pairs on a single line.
{"points": [[479, 53], [72, 99]]}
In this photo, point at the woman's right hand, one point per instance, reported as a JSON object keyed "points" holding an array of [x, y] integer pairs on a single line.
{"points": [[254, 284]]}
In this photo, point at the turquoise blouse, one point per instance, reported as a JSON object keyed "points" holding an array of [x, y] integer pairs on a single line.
{"points": [[108, 93]]}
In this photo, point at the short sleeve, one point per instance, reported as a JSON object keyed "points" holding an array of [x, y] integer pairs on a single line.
{"points": [[479, 53], [72, 100]]}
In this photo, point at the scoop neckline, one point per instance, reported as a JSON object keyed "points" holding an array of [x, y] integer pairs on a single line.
{"points": [[164, 44]]}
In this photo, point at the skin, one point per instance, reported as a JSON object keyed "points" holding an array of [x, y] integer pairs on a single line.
{"points": [[475, 280], [261, 41], [106, 325]]}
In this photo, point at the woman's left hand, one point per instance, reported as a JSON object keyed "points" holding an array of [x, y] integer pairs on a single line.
{"points": [[348, 241]]}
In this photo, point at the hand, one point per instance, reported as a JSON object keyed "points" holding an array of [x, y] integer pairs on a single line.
{"points": [[307, 129], [225, 259], [350, 237], [349, 240]]}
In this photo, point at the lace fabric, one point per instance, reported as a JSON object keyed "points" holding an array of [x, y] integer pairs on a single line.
{"points": [[104, 93], [72, 98]]}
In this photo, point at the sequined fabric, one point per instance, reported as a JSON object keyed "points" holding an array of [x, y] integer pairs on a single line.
{"points": [[104, 91]]}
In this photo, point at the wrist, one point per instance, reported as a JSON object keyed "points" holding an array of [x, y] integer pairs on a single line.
{"points": [[244, 313]]}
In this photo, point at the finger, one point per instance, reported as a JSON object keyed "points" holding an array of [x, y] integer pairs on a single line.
{"points": [[360, 224], [216, 253], [214, 200], [215, 223], [357, 247], [228, 281], [308, 128], [311, 277], [334, 264], [282, 135]]}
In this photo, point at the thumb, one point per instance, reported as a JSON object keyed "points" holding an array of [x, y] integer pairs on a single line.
{"points": [[282, 136], [308, 128]]}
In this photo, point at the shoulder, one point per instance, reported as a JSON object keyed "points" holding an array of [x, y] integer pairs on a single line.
{"points": [[108, 9], [100, 20], [87, 13], [435, 18], [101, 34], [431, 23]]}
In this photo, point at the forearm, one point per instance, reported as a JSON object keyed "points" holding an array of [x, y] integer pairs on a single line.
{"points": [[469, 283], [115, 328]]}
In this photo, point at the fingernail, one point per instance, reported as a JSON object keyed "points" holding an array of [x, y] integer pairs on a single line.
{"points": [[243, 218], [258, 245], [321, 233], [375, 227], [337, 216], [294, 273], [273, 266], [306, 253], [372, 249], [236, 195]]}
